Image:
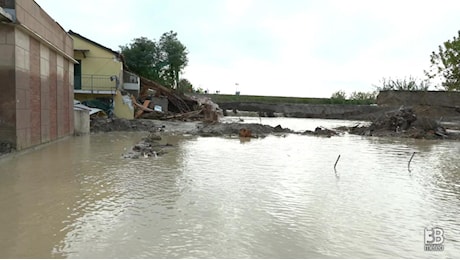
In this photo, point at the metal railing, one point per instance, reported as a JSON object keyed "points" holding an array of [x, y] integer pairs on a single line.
{"points": [[129, 77], [98, 83], [131, 81]]}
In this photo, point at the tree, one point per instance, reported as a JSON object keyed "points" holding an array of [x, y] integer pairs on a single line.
{"points": [[142, 57], [363, 97], [161, 61], [446, 64], [185, 86], [175, 56], [338, 97], [411, 84]]}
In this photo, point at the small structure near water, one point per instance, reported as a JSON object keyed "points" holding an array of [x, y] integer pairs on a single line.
{"points": [[82, 116]]}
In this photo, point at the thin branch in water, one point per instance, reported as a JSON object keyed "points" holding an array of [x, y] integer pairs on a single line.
{"points": [[410, 160], [335, 164]]}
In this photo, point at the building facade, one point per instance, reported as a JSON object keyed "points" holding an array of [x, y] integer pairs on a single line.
{"points": [[100, 77], [99, 70], [36, 71]]}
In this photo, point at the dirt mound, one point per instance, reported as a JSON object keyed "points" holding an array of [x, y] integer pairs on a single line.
{"points": [[437, 112], [180, 127], [404, 122], [321, 131], [117, 124], [257, 130]]}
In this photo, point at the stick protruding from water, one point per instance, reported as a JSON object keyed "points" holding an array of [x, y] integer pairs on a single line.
{"points": [[335, 164], [410, 160]]}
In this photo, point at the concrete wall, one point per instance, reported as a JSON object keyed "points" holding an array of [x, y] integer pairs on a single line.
{"points": [[410, 98], [37, 67], [81, 121]]}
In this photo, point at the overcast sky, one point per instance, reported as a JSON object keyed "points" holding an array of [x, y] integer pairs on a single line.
{"points": [[276, 47]]}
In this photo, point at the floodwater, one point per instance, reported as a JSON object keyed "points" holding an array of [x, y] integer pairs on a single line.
{"points": [[276, 197]]}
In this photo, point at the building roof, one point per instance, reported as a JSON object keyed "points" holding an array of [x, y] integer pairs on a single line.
{"points": [[4, 16], [93, 42]]}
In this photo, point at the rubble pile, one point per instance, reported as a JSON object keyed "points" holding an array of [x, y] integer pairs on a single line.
{"points": [[397, 121], [404, 123], [6, 147], [211, 110], [242, 130], [158, 102], [148, 147], [321, 131], [177, 102]]}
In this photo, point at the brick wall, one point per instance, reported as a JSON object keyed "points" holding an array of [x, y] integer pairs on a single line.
{"points": [[45, 109], [7, 86], [23, 89], [35, 97], [30, 14], [36, 104]]}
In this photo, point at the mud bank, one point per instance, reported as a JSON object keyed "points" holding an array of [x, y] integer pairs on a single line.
{"points": [[151, 146], [405, 123], [178, 127]]}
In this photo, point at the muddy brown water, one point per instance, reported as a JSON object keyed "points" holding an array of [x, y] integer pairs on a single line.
{"points": [[276, 197]]}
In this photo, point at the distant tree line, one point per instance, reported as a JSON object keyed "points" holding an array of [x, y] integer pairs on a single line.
{"points": [[358, 97], [355, 98]]}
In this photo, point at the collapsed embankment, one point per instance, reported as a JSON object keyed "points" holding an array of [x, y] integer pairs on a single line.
{"points": [[407, 123], [327, 111], [435, 104]]}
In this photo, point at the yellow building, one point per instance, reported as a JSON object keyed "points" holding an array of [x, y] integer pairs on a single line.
{"points": [[100, 75]]}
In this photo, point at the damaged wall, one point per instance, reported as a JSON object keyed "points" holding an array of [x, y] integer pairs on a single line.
{"points": [[123, 106], [36, 68]]}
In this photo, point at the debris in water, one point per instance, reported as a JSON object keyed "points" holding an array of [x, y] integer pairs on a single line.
{"points": [[244, 132], [410, 160], [335, 164], [148, 147]]}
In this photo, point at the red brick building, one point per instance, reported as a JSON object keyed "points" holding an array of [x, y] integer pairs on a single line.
{"points": [[36, 75]]}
